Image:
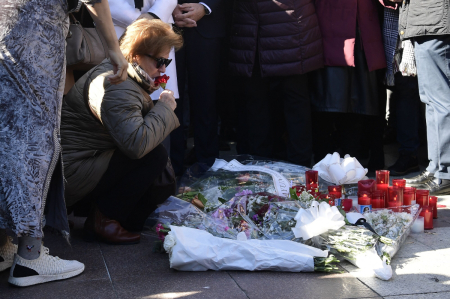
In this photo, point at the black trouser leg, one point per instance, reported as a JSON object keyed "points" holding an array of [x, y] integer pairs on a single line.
{"points": [[297, 112], [122, 190], [255, 118]]}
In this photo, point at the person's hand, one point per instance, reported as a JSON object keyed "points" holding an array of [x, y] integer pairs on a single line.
{"points": [[120, 66], [181, 21], [146, 16], [193, 11], [167, 97]]}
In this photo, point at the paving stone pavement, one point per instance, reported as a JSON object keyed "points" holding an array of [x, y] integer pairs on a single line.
{"points": [[421, 270]]}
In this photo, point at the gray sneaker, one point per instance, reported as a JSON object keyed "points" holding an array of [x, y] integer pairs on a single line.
{"points": [[420, 179]]}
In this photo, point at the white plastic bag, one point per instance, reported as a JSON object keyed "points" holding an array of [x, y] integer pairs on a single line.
{"points": [[316, 220], [196, 250]]}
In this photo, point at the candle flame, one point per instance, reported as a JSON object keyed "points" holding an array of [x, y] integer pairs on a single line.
{"points": [[334, 189], [381, 182], [364, 195]]}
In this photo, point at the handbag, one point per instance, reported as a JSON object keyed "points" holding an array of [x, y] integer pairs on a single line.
{"points": [[85, 48]]}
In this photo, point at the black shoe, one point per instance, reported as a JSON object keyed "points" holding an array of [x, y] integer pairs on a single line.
{"points": [[405, 164], [422, 178], [437, 187]]}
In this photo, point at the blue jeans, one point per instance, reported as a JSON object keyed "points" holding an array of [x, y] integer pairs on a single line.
{"points": [[433, 69]]}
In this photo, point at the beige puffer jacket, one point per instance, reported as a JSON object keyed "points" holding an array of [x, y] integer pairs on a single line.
{"points": [[129, 123]]}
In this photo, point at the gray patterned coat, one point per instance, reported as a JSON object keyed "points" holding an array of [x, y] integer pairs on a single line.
{"points": [[32, 73]]}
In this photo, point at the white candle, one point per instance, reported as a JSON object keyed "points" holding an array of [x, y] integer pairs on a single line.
{"points": [[418, 225]]}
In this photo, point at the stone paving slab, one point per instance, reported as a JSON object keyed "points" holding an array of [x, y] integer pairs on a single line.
{"points": [[179, 285], [426, 273], [68, 289], [443, 295], [301, 285]]}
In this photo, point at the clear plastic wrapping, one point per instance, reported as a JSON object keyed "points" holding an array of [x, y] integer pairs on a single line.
{"points": [[215, 186], [393, 223]]}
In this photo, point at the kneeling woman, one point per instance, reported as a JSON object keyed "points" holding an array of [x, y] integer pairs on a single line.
{"points": [[112, 134]]}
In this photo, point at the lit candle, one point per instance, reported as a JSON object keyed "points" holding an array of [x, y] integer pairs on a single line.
{"points": [[364, 198], [378, 201], [418, 225], [382, 177], [311, 177], [366, 185], [427, 213], [409, 196], [312, 187], [422, 197], [395, 199], [395, 194], [432, 201], [335, 190], [399, 183]]}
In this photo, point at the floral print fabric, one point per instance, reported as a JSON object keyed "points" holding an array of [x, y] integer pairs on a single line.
{"points": [[32, 73]]}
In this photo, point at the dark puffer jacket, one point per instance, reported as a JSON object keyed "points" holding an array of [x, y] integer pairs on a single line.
{"points": [[285, 33], [424, 17]]}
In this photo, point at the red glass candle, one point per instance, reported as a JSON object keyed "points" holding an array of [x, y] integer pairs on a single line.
{"points": [[311, 177], [347, 204], [394, 205], [299, 189], [399, 183], [312, 187], [422, 197], [432, 201], [335, 190], [364, 198], [395, 194], [382, 177], [366, 185], [378, 200], [409, 196], [427, 213]]}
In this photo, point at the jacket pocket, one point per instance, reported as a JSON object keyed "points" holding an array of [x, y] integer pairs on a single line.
{"points": [[425, 12]]}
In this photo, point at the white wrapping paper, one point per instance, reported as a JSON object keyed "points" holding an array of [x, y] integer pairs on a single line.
{"points": [[316, 220], [340, 171], [196, 250]]}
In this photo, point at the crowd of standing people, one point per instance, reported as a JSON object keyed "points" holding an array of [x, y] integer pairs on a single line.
{"points": [[293, 80]]}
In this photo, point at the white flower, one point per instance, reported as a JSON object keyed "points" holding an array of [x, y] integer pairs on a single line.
{"points": [[169, 242]]}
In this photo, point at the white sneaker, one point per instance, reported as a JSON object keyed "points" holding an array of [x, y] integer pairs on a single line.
{"points": [[43, 269], [7, 252]]}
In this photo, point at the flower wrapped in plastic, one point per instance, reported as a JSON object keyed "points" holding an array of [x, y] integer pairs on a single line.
{"points": [[358, 246], [175, 211], [245, 212], [226, 179], [395, 225]]}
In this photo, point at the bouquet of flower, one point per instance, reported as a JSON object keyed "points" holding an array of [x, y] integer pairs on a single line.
{"points": [[392, 226], [216, 188], [358, 245], [162, 81], [388, 223]]}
